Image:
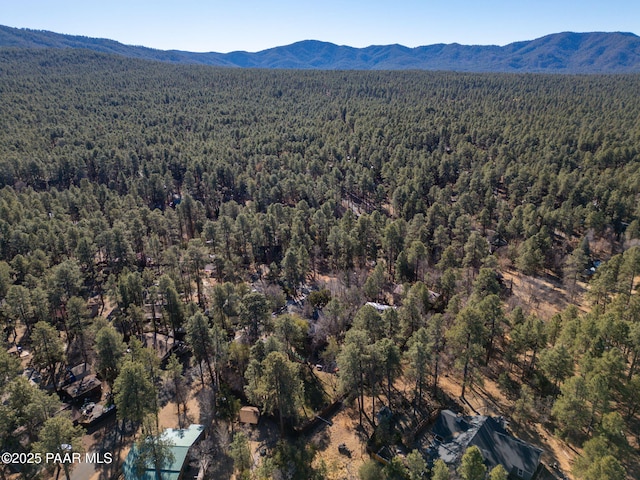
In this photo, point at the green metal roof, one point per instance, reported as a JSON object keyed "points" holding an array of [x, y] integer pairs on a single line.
{"points": [[181, 440]]}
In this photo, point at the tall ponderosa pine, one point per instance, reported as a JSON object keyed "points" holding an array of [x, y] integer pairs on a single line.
{"points": [[254, 311], [109, 350], [135, 393], [352, 363], [200, 337], [48, 351], [419, 358], [467, 336], [279, 387]]}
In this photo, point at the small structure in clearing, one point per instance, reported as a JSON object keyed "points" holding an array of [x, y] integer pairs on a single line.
{"points": [[250, 415]]}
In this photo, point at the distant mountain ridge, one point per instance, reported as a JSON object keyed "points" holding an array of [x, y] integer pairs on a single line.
{"points": [[566, 52]]}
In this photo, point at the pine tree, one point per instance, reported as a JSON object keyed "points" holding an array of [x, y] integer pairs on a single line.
{"points": [[153, 450], [135, 393], [58, 436], [240, 452], [498, 473], [48, 351], [440, 471], [472, 465], [416, 465], [276, 384], [467, 336], [419, 358], [178, 383], [109, 350]]}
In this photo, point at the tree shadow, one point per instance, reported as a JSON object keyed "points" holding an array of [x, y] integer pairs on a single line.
{"points": [[530, 435], [206, 406], [109, 440], [321, 439], [211, 456], [632, 462], [266, 433]]}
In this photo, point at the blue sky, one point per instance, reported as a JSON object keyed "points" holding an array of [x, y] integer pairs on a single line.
{"points": [[223, 26]]}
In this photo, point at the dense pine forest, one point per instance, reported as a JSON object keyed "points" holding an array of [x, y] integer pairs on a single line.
{"points": [[310, 239]]}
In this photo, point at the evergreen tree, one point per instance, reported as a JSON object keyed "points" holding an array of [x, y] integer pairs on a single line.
{"points": [[556, 363], [390, 358], [48, 351], [419, 358], [467, 336], [254, 311], [154, 451], [202, 342], [109, 351], [59, 437], [240, 452], [570, 408], [440, 471], [498, 473], [278, 387], [472, 465], [352, 365], [416, 466], [135, 393]]}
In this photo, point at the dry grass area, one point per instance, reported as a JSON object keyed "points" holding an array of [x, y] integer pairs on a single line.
{"points": [[168, 416], [543, 296], [485, 400], [345, 429]]}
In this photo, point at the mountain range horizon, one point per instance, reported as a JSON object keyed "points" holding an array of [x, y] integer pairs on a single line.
{"points": [[565, 52]]}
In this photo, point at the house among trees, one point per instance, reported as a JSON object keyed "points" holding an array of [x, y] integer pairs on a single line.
{"points": [[78, 372], [87, 387], [380, 307], [453, 434], [163, 345], [179, 441]]}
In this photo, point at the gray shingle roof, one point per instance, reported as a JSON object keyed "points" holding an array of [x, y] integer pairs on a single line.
{"points": [[457, 433]]}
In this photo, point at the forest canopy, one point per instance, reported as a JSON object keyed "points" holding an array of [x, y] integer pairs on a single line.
{"points": [[127, 180]]}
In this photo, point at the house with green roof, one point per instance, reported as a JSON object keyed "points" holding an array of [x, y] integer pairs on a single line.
{"points": [[179, 441]]}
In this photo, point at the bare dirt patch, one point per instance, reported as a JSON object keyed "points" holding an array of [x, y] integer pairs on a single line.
{"points": [[168, 416], [345, 430], [542, 296]]}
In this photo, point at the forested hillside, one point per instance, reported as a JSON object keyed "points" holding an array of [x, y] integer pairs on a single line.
{"points": [[566, 52], [258, 211]]}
